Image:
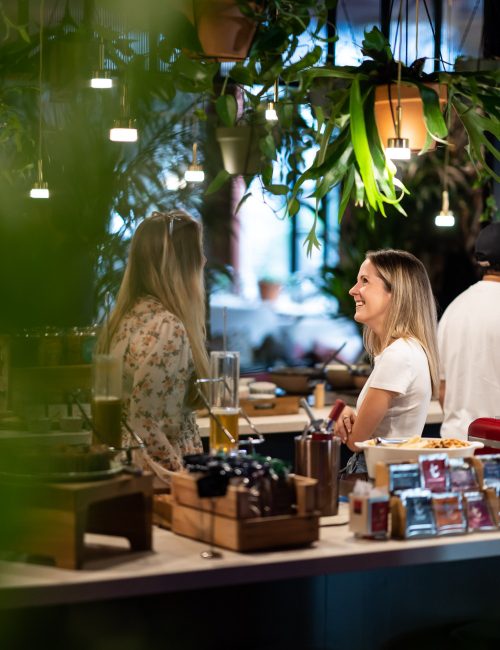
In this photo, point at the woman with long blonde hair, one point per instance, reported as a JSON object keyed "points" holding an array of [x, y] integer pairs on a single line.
{"points": [[394, 301], [158, 328]]}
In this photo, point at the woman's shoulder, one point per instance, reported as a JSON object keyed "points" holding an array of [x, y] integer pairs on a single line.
{"points": [[149, 316], [406, 346]]}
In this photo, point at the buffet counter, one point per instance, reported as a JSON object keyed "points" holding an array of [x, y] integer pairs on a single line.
{"points": [[175, 564], [340, 592], [270, 424]]}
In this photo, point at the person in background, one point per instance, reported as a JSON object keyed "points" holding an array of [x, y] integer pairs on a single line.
{"points": [[394, 302], [469, 344], [157, 326]]}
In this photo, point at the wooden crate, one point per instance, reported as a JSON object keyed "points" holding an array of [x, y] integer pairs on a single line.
{"points": [[237, 501], [255, 408], [230, 521], [245, 534]]}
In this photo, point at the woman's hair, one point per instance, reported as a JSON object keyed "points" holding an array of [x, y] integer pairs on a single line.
{"points": [[412, 308], [166, 261]]}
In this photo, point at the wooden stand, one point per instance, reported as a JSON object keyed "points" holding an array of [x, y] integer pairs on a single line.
{"points": [[52, 519]]}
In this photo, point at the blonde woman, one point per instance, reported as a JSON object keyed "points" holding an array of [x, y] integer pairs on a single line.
{"points": [[158, 328], [394, 301]]}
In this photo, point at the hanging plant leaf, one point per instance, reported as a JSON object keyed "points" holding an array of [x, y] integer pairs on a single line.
{"points": [[278, 190], [376, 46], [226, 108], [218, 182], [433, 116]]}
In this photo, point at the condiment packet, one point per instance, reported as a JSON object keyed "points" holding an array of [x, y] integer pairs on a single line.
{"points": [[419, 514], [369, 511], [477, 509], [404, 476], [462, 475], [434, 472], [491, 470], [448, 513]]}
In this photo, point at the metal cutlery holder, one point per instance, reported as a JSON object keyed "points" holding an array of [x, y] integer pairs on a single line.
{"points": [[320, 459]]}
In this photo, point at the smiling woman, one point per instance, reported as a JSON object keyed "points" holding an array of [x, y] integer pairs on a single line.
{"points": [[394, 302]]}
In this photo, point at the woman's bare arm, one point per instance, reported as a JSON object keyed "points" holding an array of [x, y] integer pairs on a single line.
{"points": [[371, 412]]}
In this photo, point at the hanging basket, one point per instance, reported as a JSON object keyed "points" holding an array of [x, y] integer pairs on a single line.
{"points": [[224, 32], [413, 125], [240, 148]]}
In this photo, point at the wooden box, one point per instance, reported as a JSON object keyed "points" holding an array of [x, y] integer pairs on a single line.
{"points": [[218, 520], [255, 408], [237, 501]]}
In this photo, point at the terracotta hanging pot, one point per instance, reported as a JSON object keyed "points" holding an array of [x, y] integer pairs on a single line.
{"points": [[224, 32], [413, 125], [240, 148]]}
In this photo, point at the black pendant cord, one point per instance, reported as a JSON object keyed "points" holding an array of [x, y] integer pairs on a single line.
{"points": [[433, 31], [468, 26]]}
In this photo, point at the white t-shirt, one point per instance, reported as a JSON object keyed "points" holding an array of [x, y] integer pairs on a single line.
{"points": [[469, 349], [402, 368]]}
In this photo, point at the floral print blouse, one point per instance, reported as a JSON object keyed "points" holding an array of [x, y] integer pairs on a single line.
{"points": [[157, 371]]}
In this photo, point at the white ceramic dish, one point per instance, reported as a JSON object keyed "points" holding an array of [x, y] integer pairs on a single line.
{"points": [[382, 453]]}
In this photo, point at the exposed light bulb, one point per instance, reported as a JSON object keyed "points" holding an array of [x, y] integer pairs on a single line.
{"points": [[123, 131], [40, 190], [271, 114], [398, 149], [101, 80], [194, 174]]}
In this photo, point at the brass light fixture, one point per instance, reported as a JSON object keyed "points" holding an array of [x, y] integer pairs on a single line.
{"points": [[398, 148], [271, 114], [101, 78], [124, 129], [194, 173], [40, 189]]}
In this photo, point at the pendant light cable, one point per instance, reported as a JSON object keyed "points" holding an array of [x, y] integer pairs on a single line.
{"points": [[40, 106]]}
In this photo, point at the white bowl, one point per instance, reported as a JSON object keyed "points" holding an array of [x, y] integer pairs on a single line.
{"points": [[383, 454]]}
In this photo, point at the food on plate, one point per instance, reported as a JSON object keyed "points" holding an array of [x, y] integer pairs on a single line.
{"points": [[424, 443]]}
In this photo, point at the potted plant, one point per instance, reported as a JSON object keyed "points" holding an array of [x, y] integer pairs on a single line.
{"points": [[351, 152]]}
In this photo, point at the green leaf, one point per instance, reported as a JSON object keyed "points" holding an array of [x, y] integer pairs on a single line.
{"points": [[277, 189], [218, 182], [268, 147], [267, 174], [226, 108], [293, 207], [361, 146], [346, 193], [242, 75], [243, 199], [311, 241], [433, 116], [376, 46]]}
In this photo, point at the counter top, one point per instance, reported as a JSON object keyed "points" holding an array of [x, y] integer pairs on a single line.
{"points": [[176, 565], [269, 424]]}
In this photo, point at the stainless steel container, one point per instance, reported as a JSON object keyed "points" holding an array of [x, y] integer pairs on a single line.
{"points": [[320, 459]]}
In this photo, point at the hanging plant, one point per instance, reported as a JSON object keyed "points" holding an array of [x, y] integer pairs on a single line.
{"points": [[350, 150]]}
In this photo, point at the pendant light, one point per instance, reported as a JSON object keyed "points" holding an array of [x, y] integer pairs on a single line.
{"points": [[271, 114], [101, 78], [445, 218], [40, 189], [194, 173], [124, 129], [398, 148]]}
